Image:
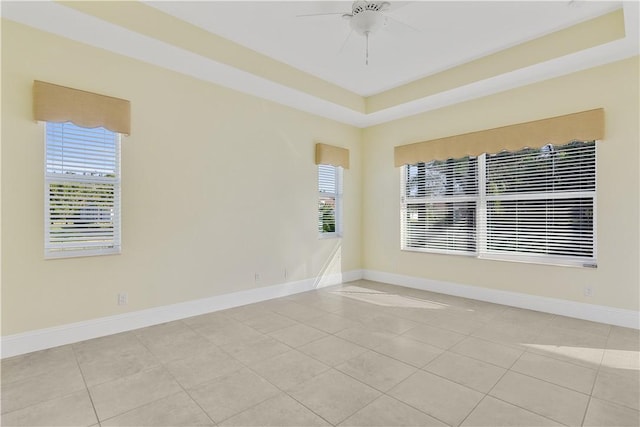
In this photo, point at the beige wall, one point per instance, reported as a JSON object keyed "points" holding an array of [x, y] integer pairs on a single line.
{"points": [[216, 186], [615, 282], [219, 185]]}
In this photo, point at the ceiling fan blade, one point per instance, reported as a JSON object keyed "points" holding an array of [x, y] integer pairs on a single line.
{"points": [[319, 14], [398, 23], [344, 43], [393, 5]]}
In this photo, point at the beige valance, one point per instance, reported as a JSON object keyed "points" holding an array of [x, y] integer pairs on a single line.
{"points": [[332, 155], [583, 126], [53, 103]]}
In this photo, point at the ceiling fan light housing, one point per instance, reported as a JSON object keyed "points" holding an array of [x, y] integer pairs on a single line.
{"points": [[367, 21]]}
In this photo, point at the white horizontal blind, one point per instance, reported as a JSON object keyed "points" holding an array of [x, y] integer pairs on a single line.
{"points": [[329, 199], [535, 205], [439, 206], [541, 202], [82, 194]]}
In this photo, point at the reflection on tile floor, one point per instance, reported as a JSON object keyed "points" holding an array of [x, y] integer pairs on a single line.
{"points": [[360, 354]]}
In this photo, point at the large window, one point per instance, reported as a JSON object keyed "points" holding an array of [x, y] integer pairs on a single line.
{"points": [[82, 194], [329, 200], [534, 205]]}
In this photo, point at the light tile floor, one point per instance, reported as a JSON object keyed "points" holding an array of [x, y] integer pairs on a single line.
{"points": [[360, 354]]}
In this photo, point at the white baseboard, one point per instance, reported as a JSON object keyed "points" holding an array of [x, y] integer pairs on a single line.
{"points": [[579, 310], [13, 345]]}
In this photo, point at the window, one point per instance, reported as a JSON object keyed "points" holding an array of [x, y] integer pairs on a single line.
{"points": [[82, 194], [534, 205], [329, 200], [440, 206]]}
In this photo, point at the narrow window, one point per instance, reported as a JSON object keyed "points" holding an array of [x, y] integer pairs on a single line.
{"points": [[82, 191], [329, 200]]}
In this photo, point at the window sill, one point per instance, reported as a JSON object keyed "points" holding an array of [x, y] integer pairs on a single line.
{"points": [[549, 261], [323, 236], [80, 253]]}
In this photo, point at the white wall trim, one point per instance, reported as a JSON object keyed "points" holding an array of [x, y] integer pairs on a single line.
{"points": [[13, 345], [579, 310], [64, 21]]}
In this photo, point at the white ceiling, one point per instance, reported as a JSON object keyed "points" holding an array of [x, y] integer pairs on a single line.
{"points": [[438, 34]]}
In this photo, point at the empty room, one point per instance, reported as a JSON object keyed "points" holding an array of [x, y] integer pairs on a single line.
{"points": [[320, 213]]}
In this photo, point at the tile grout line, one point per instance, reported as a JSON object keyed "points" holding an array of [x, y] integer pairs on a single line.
{"points": [[280, 389], [371, 386], [287, 392], [561, 359], [329, 368], [164, 368], [246, 366], [484, 361], [359, 321], [556, 360], [524, 351], [507, 370], [409, 404], [528, 410], [368, 349], [473, 409], [95, 412], [200, 384], [446, 330], [548, 382], [139, 407], [511, 403], [595, 380], [485, 393], [528, 350]]}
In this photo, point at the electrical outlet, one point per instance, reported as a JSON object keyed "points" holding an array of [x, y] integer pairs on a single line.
{"points": [[286, 274], [123, 298], [257, 277], [588, 291]]}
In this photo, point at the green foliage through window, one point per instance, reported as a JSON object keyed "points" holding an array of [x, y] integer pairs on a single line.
{"points": [[329, 199]]}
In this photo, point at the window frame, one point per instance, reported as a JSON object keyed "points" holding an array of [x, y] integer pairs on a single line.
{"points": [[337, 197], [482, 200], [426, 200], [58, 251]]}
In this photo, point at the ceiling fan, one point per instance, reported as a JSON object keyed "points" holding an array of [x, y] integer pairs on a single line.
{"points": [[366, 18]]}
